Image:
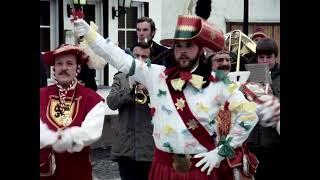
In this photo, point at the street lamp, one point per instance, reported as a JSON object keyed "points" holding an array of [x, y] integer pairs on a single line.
{"points": [[124, 4]]}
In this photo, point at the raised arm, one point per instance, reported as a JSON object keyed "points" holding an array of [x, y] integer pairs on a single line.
{"points": [[141, 72]]}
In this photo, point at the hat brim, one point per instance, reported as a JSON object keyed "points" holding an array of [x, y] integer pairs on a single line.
{"points": [[49, 57], [170, 42], [259, 34]]}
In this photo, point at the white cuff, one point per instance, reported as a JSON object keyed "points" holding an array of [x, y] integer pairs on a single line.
{"points": [[47, 136]]}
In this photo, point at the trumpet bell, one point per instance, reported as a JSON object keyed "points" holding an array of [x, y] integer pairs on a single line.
{"points": [[139, 96]]}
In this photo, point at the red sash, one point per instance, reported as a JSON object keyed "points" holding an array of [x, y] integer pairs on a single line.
{"points": [[193, 125]]}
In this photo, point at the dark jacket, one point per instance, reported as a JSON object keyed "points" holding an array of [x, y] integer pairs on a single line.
{"points": [[43, 73], [275, 76], [159, 55], [133, 135], [87, 76], [267, 137]]}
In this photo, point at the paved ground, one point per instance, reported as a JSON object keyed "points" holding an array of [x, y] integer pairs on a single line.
{"points": [[103, 167]]}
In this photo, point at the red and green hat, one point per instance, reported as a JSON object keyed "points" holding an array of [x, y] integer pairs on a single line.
{"points": [[191, 27]]}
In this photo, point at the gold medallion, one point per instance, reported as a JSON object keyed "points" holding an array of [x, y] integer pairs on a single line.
{"points": [[66, 118]]}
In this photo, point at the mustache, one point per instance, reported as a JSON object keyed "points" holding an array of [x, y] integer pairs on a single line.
{"points": [[64, 72], [183, 56], [224, 67]]}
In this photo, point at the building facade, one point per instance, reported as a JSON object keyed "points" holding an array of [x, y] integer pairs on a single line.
{"points": [[56, 27]]}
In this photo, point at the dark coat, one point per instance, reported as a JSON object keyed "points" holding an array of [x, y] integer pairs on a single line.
{"points": [[87, 76], [133, 134], [43, 73], [267, 136], [265, 141], [159, 55], [275, 76]]}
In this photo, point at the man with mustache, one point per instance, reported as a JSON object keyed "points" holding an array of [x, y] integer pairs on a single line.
{"points": [[269, 111], [190, 105], [71, 118], [263, 141]]}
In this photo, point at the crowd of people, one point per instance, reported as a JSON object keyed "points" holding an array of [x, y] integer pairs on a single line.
{"points": [[180, 115]]}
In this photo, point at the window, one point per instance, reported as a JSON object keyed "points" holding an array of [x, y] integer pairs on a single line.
{"points": [[44, 26], [48, 30], [127, 35], [126, 32], [93, 12]]}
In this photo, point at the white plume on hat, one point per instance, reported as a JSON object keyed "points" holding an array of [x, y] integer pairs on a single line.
{"points": [[95, 61]]}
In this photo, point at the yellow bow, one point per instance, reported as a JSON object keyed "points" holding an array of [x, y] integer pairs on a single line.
{"points": [[196, 82]]}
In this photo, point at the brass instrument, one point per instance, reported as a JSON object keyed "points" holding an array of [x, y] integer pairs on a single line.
{"points": [[235, 39], [239, 44], [139, 96]]}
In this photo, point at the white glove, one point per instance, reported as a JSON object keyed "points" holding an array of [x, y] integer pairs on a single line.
{"points": [[81, 27], [269, 111], [72, 140], [210, 159], [78, 137], [64, 143], [47, 136]]}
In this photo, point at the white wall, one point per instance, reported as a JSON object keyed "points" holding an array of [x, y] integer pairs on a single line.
{"points": [[222, 11], [232, 10], [156, 14], [170, 10]]}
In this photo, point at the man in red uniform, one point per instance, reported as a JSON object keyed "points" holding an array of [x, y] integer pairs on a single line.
{"points": [[71, 118]]}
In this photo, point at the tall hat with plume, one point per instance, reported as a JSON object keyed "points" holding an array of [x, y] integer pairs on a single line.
{"points": [[196, 27]]}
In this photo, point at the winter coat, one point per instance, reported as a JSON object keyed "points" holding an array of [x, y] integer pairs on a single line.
{"points": [[133, 135]]}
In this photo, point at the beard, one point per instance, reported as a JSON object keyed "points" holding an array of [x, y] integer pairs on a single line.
{"points": [[185, 63]]}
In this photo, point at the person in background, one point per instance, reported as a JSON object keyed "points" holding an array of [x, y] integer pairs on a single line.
{"points": [[266, 140], [263, 140], [146, 30], [133, 146]]}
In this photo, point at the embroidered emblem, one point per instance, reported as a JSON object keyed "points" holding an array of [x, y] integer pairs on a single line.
{"points": [[168, 129], [163, 108], [161, 93], [192, 124], [180, 104], [202, 107]]}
